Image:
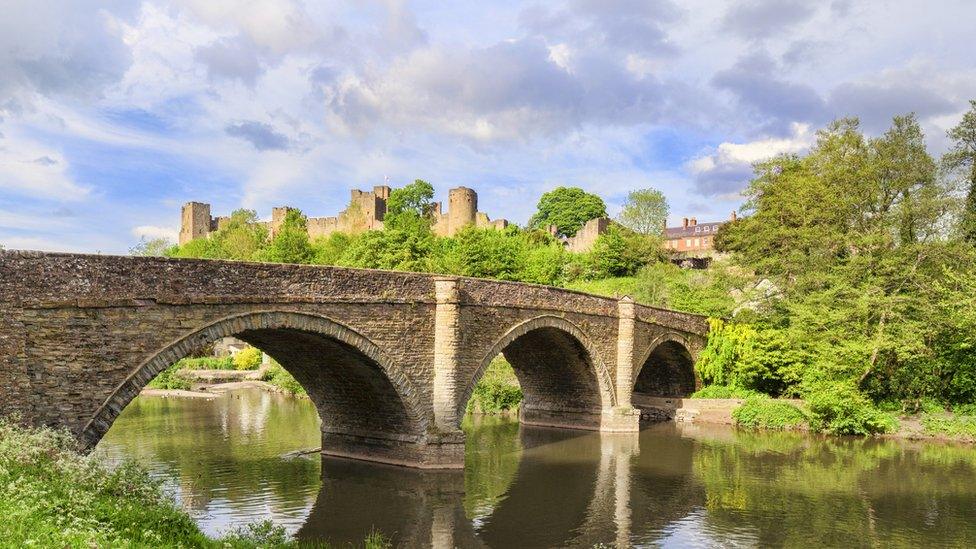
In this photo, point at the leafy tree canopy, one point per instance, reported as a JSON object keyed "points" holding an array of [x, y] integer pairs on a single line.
{"points": [[645, 212], [568, 208], [961, 159], [409, 205]]}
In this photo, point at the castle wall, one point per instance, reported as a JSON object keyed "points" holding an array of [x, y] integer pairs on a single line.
{"points": [[366, 212], [586, 237]]}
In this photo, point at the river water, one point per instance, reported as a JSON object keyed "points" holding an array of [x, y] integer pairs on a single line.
{"points": [[225, 461]]}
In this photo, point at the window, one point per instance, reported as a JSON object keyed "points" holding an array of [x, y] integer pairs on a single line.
{"points": [[687, 243], [697, 242], [708, 228], [697, 229]]}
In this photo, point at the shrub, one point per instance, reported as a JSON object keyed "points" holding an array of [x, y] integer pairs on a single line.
{"points": [[954, 426], [51, 496], [497, 390], [965, 409], [169, 379], [766, 413], [840, 409], [206, 363], [280, 378], [721, 391], [248, 359]]}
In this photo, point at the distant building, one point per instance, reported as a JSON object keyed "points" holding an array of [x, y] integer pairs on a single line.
{"points": [[366, 212], [693, 238]]}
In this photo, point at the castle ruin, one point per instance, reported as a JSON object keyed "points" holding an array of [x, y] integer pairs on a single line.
{"points": [[366, 212]]}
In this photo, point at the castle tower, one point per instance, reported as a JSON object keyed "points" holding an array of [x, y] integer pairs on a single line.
{"points": [[195, 222], [462, 209], [278, 218]]}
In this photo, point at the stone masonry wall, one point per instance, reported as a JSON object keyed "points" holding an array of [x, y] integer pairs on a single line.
{"points": [[81, 334]]}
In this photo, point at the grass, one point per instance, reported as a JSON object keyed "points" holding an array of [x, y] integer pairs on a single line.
{"points": [[497, 391], [760, 412], [956, 426], [721, 391], [53, 496], [170, 378]]}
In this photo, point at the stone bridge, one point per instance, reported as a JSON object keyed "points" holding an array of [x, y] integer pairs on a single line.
{"points": [[389, 359]]}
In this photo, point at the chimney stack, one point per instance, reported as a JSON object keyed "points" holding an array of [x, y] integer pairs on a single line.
{"points": [[684, 222], [694, 221]]}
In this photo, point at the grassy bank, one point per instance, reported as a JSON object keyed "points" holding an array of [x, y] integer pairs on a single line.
{"points": [[52, 496], [276, 375], [497, 391], [175, 378]]}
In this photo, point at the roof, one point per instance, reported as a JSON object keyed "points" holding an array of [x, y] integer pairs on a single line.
{"points": [[700, 229]]}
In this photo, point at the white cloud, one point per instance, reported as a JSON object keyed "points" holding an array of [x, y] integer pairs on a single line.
{"points": [[149, 232], [29, 168], [728, 168]]}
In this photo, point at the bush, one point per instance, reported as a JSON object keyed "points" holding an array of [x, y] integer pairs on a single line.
{"points": [[497, 390], [766, 413], [840, 409], [248, 359], [951, 425], [280, 378], [206, 363], [721, 391], [170, 379], [51, 496]]}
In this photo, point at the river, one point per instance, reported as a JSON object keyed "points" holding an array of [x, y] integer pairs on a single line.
{"points": [[225, 461]]}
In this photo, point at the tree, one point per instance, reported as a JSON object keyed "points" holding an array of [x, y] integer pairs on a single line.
{"points": [[645, 212], [154, 247], [961, 158], [409, 205], [850, 235], [290, 244], [568, 208]]}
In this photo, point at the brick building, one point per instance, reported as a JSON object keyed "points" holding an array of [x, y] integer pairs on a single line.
{"points": [[693, 237]]}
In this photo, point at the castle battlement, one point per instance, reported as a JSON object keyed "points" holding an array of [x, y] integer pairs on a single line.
{"points": [[366, 212]]}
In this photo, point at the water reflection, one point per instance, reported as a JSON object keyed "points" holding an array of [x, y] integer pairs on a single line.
{"points": [[535, 487]]}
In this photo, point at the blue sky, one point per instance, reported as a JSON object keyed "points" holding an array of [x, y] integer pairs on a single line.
{"points": [[114, 113]]}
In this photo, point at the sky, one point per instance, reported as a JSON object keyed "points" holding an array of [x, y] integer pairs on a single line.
{"points": [[115, 113]]}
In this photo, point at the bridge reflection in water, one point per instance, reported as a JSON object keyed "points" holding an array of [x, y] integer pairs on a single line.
{"points": [[523, 486], [563, 489]]}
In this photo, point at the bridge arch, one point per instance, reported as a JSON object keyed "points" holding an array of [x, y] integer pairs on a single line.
{"points": [[559, 370], [667, 368], [357, 390]]}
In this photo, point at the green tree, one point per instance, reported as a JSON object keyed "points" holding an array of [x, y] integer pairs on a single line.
{"points": [[961, 159], [568, 208], [850, 236], [485, 253], [241, 237], [409, 205], [393, 248], [645, 212], [290, 244], [153, 247]]}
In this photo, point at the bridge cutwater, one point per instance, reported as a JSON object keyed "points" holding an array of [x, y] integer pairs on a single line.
{"points": [[388, 358]]}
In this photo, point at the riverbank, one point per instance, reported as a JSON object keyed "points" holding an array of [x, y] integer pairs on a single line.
{"points": [[935, 427], [212, 390], [53, 496]]}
